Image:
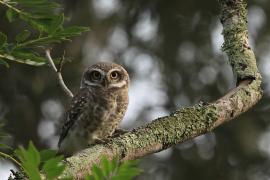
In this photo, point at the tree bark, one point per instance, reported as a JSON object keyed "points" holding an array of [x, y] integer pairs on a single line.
{"points": [[188, 122]]}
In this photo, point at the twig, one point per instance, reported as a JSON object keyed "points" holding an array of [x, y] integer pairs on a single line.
{"points": [[61, 63], [10, 158], [58, 72]]}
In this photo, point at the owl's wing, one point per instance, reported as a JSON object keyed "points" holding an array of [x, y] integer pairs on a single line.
{"points": [[78, 105]]}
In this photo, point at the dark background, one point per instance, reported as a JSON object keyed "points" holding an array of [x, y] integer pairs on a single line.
{"points": [[171, 50]]}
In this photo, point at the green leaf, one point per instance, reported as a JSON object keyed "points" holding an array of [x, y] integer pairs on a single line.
{"points": [[47, 154], [30, 160], [2, 62], [105, 164], [127, 174], [56, 23], [89, 177], [72, 31], [43, 16], [11, 15], [34, 154], [19, 59], [113, 170], [22, 36], [44, 7], [36, 23], [53, 167], [65, 178], [97, 173], [3, 39], [113, 164], [128, 170], [28, 58]]}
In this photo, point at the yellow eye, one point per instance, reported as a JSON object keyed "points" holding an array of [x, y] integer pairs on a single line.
{"points": [[95, 75], [114, 75]]}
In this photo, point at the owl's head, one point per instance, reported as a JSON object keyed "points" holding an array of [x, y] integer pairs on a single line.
{"points": [[106, 76]]}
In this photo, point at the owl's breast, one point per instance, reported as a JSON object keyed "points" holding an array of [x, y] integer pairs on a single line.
{"points": [[105, 117]]}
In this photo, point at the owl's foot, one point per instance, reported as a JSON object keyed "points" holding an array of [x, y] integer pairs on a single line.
{"points": [[118, 132], [99, 141]]}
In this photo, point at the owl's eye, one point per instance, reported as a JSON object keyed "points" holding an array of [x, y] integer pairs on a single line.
{"points": [[95, 76], [114, 75]]}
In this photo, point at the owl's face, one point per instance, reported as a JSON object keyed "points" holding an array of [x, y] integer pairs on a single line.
{"points": [[105, 76]]}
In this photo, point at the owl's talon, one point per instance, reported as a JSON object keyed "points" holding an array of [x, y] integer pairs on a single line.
{"points": [[99, 141], [118, 132]]}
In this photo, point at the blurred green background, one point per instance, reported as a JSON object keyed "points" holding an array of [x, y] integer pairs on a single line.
{"points": [[171, 50]]}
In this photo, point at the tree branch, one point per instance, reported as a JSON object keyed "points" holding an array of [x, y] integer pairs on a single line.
{"points": [[193, 121], [58, 72]]}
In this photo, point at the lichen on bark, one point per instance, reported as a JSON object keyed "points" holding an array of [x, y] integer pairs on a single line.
{"points": [[241, 57], [197, 119]]}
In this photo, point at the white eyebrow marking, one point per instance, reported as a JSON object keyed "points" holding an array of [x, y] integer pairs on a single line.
{"points": [[114, 69], [118, 85], [92, 83], [100, 71]]}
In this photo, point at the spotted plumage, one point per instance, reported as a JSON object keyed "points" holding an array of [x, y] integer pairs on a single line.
{"points": [[97, 109]]}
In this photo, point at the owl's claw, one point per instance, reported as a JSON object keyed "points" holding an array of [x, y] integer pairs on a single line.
{"points": [[99, 141], [118, 132]]}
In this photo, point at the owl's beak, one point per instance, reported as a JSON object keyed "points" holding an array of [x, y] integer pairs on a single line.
{"points": [[105, 83]]}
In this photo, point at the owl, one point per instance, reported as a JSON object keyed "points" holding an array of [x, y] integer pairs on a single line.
{"points": [[97, 109]]}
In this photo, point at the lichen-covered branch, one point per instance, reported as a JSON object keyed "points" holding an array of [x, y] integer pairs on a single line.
{"points": [[241, 57], [188, 122]]}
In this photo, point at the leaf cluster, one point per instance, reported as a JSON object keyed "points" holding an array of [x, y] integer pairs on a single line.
{"points": [[114, 170], [47, 164], [44, 26], [38, 165]]}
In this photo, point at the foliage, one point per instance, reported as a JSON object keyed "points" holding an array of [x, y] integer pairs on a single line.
{"points": [[38, 164], [114, 170], [43, 25], [46, 164], [34, 162]]}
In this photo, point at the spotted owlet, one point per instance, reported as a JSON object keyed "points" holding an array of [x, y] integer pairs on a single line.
{"points": [[97, 109]]}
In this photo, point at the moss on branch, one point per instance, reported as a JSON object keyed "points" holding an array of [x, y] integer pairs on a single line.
{"points": [[241, 57]]}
